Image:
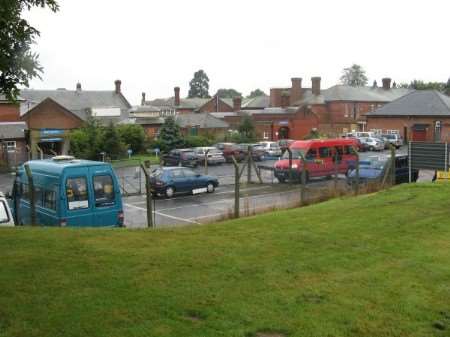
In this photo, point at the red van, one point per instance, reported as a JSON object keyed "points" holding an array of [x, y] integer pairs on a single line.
{"points": [[320, 156]]}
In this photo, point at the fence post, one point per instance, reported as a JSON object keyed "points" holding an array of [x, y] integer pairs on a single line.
{"points": [[290, 164], [237, 177], [409, 162], [392, 165], [446, 157], [303, 180], [31, 194], [16, 200], [249, 164], [356, 171], [336, 163], [206, 161], [148, 198]]}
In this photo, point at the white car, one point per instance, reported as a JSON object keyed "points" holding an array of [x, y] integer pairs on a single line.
{"points": [[271, 149], [6, 218], [215, 156], [373, 144]]}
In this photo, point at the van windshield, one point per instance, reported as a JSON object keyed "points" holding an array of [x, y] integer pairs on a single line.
{"points": [[295, 153]]}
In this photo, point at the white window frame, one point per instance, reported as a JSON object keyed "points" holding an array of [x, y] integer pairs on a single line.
{"points": [[11, 145]]}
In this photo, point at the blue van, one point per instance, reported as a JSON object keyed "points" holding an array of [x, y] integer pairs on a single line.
{"points": [[69, 192]]}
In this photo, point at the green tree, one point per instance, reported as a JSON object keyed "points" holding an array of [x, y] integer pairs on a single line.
{"points": [[84, 142], [111, 143], [354, 76], [247, 130], [228, 93], [18, 64], [421, 85], [170, 135], [133, 136], [256, 93], [199, 85]]}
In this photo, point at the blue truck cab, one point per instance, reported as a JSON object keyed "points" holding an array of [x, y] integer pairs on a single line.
{"points": [[69, 192]]}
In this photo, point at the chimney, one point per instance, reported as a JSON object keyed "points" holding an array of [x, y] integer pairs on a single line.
{"points": [[386, 83], [296, 90], [78, 86], [284, 100], [143, 99], [315, 81], [177, 95], [237, 102], [118, 83]]}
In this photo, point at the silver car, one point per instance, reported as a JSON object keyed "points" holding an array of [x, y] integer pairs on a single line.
{"points": [[271, 149], [214, 157]]}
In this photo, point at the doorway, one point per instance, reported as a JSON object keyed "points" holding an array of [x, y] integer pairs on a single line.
{"points": [[283, 132]]}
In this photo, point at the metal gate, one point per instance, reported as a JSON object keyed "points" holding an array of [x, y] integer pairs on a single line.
{"points": [[428, 156]]}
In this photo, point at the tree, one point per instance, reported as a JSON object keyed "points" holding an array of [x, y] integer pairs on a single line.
{"points": [[18, 65], [247, 130], [170, 135], [199, 85], [228, 93], [256, 93], [354, 76], [85, 142], [133, 136], [111, 143]]}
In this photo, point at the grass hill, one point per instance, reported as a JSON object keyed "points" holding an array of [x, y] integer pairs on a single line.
{"points": [[376, 265]]}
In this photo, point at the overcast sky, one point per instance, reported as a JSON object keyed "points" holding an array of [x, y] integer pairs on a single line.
{"points": [[155, 45]]}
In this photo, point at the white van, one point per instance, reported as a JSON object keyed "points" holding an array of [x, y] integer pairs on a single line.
{"points": [[6, 218]]}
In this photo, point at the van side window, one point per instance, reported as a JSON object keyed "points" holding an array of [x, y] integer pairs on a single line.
{"points": [[24, 192], [348, 149], [324, 152], [311, 154], [77, 193], [38, 196], [104, 191], [50, 199]]}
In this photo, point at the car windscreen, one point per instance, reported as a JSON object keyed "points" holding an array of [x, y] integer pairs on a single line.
{"points": [[295, 153], [157, 173], [274, 146]]}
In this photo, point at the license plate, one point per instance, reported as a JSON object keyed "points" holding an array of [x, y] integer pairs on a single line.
{"points": [[199, 190]]}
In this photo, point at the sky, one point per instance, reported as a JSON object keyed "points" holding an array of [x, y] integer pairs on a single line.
{"points": [[154, 45]]}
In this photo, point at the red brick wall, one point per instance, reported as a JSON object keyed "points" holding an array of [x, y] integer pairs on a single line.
{"points": [[400, 123], [48, 114], [9, 112], [184, 111]]}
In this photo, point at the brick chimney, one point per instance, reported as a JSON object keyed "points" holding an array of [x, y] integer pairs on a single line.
{"points": [[296, 90], [143, 99], [275, 97], [118, 83], [177, 95], [237, 103], [284, 100], [78, 86], [315, 85], [386, 83]]}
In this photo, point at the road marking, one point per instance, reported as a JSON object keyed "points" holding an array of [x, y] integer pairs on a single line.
{"points": [[164, 215]]}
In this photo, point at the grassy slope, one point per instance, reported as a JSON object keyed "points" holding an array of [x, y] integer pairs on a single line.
{"points": [[371, 266]]}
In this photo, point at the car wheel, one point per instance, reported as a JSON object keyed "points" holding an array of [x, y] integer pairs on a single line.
{"points": [[281, 180], [210, 187], [371, 148], [170, 191]]}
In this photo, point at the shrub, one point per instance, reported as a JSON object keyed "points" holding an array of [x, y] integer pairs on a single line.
{"points": [[133, 136]]}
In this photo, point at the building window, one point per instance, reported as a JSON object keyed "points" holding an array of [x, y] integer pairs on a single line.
{"points": [[194, 131], [346, 110], [11, 146], [266, 135]]}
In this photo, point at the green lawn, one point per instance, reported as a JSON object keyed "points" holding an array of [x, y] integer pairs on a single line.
{"points": [[376, 265]]}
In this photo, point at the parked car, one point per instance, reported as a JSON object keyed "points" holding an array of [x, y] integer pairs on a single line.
{"points": [[169, 181], [69, 192], [214, 157], [373, 144], [271, 149], [320, 156], [394, 139], [376, 169], [6, 217], [362, 147], [258, 151], [229, 150], [182, 157]]}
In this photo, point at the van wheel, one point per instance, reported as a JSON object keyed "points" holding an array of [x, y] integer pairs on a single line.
{"points": [[170, 191], [210, 187]]}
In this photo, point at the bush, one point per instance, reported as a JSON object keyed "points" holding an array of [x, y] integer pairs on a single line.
{"points": [[197, 141], [133, 136]]}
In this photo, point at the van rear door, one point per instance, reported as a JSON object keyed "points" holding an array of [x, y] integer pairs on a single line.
{"points": [[106, 196], [77, 199]]}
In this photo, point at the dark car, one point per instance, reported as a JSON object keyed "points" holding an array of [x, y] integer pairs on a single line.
{"points": [[169, 181], [375, 170], [258, 151], [182, 157], [229, 150]]}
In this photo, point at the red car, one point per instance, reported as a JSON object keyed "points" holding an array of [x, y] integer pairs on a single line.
{"points": [[229, 150], [320, 156]]}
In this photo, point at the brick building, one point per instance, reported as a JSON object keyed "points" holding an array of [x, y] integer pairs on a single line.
{"points": [[51, 114], [422, 115]]}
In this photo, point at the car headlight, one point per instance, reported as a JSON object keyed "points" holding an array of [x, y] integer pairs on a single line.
{"points": [[294, 166]]}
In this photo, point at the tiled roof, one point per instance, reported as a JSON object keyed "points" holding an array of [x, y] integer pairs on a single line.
{"points": [[259, 102], [416, 103], [185, 103], [12, 130], [202, 120], [78, 102]]}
